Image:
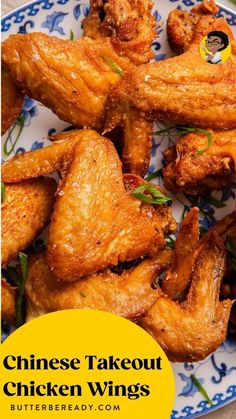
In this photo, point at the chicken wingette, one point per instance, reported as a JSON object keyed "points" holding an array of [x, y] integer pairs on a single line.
{"points": [[73, 78], [128, 294], [26, 210], [184, 89], [192, 330], [190, 170]]}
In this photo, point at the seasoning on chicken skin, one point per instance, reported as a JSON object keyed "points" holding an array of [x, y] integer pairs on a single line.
{"points": [[129, 23], [176, 280], [187, 171], [181, 24], [8, 302], [183, 90], [128, 294], [26, 210], [12, 101], [96, 223], [192, 330]]}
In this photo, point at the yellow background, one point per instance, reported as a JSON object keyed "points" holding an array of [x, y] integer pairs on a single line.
{"points": [[74, 334]]}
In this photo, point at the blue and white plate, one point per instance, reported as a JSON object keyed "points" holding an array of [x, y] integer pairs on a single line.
{"points": [[59, 17]]}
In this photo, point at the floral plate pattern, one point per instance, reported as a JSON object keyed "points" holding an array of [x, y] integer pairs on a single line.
{"points": [[63, 18]]}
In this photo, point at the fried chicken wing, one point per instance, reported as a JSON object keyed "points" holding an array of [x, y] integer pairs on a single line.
{"points": [[129, 24], [44, 161], [128, 294], [176, 280], [183, 90], [192, 330], [12, 101], [25, 212], [192, 173], [8, 302], [96, 223], [181, 24]]}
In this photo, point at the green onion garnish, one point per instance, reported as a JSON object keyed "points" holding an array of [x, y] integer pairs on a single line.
{"points": [[82, 294], [201, 389], [170, 242], [215, 202], [20, 121], [71, 35], [153, 175], [113, 65], [3, 192], [154, 195], [19, 281], [183, 130]]}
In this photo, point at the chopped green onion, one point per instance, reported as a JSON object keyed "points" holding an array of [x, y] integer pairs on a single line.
{"points": [[82, 294], [71, 35], [19, 281], [153, 175], [183, 130], [113, 65], [3, 192], [215, 202], [231, 247], [156, 197], [19, 121], [170, 242], [201, 389]]}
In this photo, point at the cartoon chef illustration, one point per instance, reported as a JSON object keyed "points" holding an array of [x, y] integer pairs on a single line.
{"points": [[215, 42]]}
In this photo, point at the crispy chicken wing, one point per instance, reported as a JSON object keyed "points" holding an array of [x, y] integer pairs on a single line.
{"points": [[128, 294], [92, 202], [12, 101], [181, 24], [176, 280], [8, 302], [192, 330], [183, 90], [96, 223], [192, 173], [129, 24], [26, 211]]}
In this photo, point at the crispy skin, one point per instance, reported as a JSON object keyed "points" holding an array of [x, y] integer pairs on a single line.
{"points": [[137, 143], [44, 161], [8, 302], [25, 212], [12, 101], [191, 331], [96, 223], [186, 171], [183, 89], [181, 24], [128, 294], [129, 24], [176, 280], [70, 77]]}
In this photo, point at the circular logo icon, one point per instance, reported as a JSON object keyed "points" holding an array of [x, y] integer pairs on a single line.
{"points": [[215, 47]]}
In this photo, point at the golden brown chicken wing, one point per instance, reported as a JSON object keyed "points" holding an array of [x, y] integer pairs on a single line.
{"points": [[8, 302], [181, 24], [26, 211], [192, 330], [129, 24], [96, 223], [184, 90], [177, 278], [192, 173], [12, 101], [128, 294]]}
